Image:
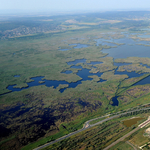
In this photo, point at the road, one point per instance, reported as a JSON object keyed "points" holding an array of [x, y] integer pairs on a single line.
{"points": [[131, 145], [87, 126], [122, 138]]}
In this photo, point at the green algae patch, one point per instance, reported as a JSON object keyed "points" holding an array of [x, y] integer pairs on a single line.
{"points": [[131, 121]]}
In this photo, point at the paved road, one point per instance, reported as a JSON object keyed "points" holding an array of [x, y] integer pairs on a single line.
{"points": [[87, 126]]}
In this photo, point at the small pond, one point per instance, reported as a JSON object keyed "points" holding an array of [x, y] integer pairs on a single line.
{"points": [[75, 46], [131, 121], [16, 75], [79, 45], [115, 101]]}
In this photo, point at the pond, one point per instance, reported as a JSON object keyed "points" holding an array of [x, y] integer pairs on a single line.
{"points": [[79, 45], [74, 46], [115, 101], [76, 61], [16, 75], [131, 121]]}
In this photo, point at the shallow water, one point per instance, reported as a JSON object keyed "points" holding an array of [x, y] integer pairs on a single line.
{"points": [[16, 75], [79, 45]]}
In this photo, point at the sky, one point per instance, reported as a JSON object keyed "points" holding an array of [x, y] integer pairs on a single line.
{"points": [[73, 5]]}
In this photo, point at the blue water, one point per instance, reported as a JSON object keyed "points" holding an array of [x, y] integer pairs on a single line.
{"points": [[84, 73], [75, 46], [76, 67], [79, 45], [122, 51], [144, 81], [16, 75], [131, 49], [130, 74], [144, 36], [145, 65], [115, 101], [76, 61], [111, 42], [104, 42], [143, 42], [94, 63]]}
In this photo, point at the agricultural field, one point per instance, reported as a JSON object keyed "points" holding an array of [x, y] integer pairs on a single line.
{"points": [[101, 135]]}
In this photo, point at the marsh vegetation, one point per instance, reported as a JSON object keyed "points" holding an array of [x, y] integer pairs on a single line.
{"points": [[53, 80]]}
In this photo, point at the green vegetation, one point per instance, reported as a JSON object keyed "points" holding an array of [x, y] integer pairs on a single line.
{"points": [[138, 138], [99, 136], [122, 146], [31, 47]]}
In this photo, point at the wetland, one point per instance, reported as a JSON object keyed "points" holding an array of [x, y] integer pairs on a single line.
{"points": [[52, 83]]}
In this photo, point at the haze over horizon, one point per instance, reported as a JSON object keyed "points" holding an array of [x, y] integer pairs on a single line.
{"points": [[28, 6]]}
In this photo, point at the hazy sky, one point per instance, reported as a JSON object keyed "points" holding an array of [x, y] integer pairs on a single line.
{"points": [[71, 5]]}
